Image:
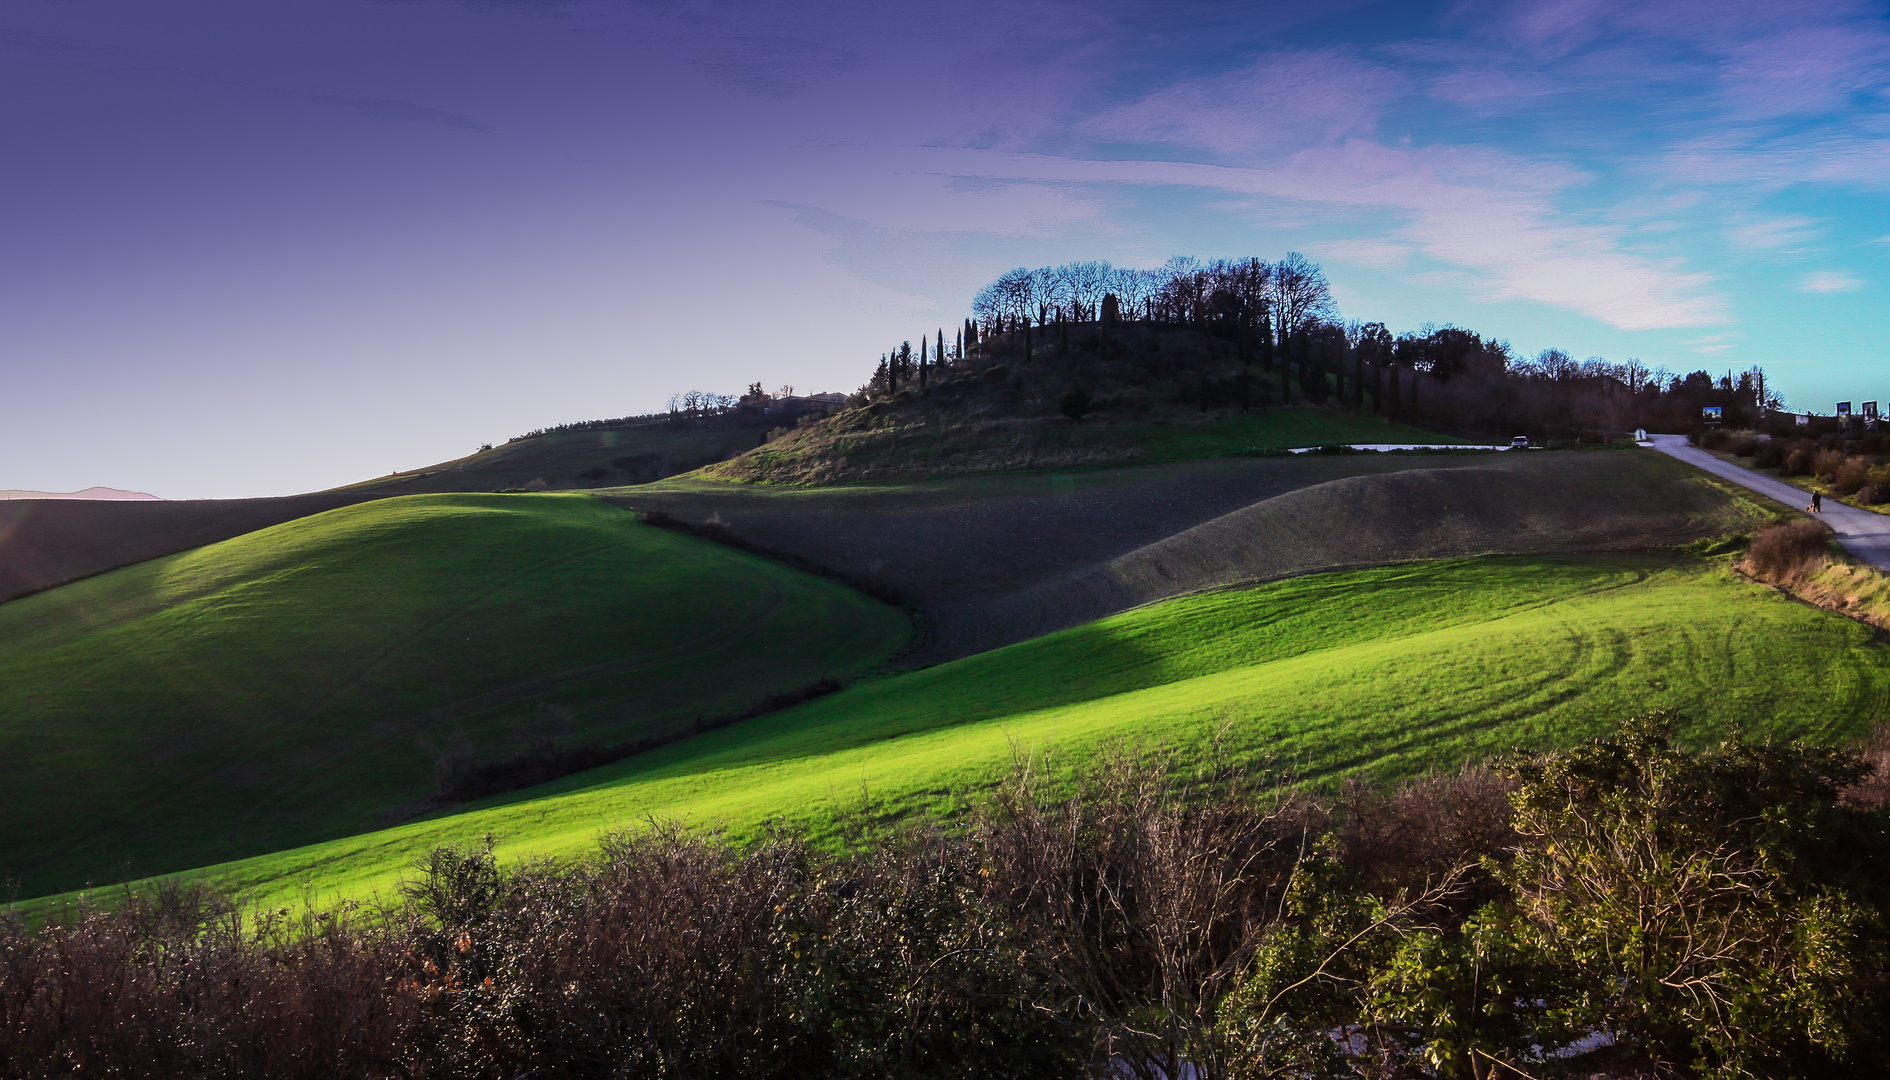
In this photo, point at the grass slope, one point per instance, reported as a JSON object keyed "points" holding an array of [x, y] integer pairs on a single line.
{"points": [[926, 438], [999, 558], [284, 686], [1396, 669], [633, 453]]}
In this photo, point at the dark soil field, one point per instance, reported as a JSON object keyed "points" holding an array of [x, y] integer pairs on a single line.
{"points": [[992, 560]]}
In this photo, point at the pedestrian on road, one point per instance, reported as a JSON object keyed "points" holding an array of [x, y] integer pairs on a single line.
{"points": [[1817, 502]]}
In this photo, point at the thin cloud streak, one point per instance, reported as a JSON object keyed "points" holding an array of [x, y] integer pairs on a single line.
{"points": [[1830, 281], [1476, 212]]}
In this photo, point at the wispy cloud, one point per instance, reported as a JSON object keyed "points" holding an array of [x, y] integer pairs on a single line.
{"points": [[1490, 216], [1282, 102], [1830, 281], [1775, 234], [1375, 254]]}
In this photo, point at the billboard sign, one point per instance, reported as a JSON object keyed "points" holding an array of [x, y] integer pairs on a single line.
{"points": [[1804, 419], [1711, 413], [1844, 410], [1870, 412]]}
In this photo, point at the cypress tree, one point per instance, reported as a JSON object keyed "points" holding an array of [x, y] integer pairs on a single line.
{"points": [[922, 343], [1415, 411], [938, 353], [958, 348]]}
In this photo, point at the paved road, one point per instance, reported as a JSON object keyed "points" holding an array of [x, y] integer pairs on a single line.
{"points": [[1864, 534]]}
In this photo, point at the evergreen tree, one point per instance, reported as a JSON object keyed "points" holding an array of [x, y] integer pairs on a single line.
{"points": [[938, 353], [1333, 354], [922, 342]]}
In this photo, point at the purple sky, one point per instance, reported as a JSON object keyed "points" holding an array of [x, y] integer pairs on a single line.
{"points": [[261, 248]]}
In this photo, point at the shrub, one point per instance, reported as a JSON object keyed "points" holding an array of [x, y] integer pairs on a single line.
{"points": [[1769, 455], [1074, 403], [1682, 914], [1798, 463], [1851, 476], [1827, 464], [1780, 551], [1718, 912], [1744, 445], [1875, 493], [1714, 439]]}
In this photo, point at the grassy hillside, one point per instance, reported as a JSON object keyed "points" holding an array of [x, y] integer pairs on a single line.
{"points": [[47, 542], [948, 434], [635, 453], [1394, 669], [300, 682], [998, 558]]}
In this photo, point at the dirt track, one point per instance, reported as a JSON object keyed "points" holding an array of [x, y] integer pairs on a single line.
{"points": [[993, 560]]}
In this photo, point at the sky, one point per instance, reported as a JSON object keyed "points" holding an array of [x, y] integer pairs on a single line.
{"points": [[255, 249]]}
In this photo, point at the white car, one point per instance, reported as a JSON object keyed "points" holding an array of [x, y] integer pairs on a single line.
{"points": [[1520, 442]]}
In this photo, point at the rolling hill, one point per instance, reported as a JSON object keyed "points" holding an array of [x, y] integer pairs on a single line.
{"points": [[306, 680], [1391, 670], [995, 559]]}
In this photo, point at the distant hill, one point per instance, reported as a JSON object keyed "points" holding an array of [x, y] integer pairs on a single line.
{"points": [[996, 559], [103, 494], [580, 456], [311, 680], [1074, 395], [45, 541]]}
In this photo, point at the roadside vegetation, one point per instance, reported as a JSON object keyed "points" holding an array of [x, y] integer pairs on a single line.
{"points": [[1800, 558], [1631, 905], [332, 674], [1389, 672], [1847, 466]]}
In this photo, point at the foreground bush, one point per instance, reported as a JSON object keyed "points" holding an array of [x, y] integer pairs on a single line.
{"points": [[1781, 551], [1709, 913]]}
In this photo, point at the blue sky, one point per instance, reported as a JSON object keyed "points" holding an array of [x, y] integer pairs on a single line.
{"points": [[261, 248]]}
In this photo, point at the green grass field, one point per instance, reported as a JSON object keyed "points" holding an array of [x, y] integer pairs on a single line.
{"points": [[295, 684], [560, 460], [1272, 429], [1394, 670]]}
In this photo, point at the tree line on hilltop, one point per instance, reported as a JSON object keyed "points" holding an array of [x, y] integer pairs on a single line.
{"points": [[1241, 333], [1282, 342]]}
